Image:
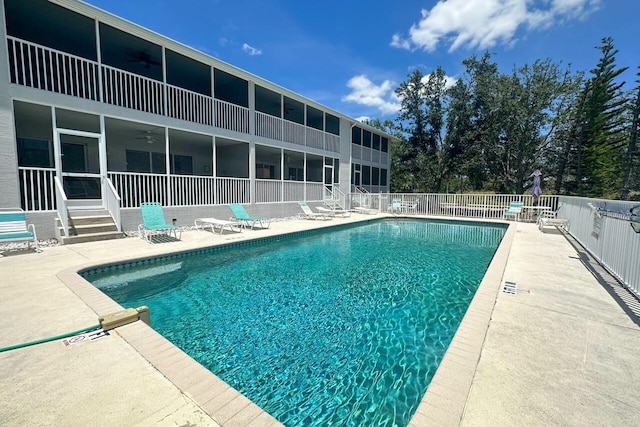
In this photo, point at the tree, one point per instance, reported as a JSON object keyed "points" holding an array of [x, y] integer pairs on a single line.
{"points": [[421, 119], [598, 167], [632, 166]]}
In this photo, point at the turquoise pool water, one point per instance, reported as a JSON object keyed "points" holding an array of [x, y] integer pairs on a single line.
{"points": [[342, 327]]}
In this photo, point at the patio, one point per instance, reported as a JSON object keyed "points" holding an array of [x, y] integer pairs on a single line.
{"points": [[558, 351]]}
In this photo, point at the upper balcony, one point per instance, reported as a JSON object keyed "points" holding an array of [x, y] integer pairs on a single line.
{"points": [[58, 50]]}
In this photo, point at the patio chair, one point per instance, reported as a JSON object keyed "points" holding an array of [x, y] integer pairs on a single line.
{"points": [[395, 206], [241, 215], [514, 211], [549, 218], [334, 212], [153, 223], [307, 213]]}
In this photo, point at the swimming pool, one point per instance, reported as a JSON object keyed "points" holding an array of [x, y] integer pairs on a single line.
{"points": [[344, 327]]}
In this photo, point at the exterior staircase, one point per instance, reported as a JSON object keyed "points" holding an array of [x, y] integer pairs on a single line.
{"points": [[89, 226]]}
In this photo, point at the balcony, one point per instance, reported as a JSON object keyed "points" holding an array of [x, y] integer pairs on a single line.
{"points": [[48, 69]]}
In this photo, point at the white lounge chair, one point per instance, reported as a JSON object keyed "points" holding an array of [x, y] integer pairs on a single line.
{"points": [[307, 213], [334, 212], [364, 210], [548, 218], [215, 223]]}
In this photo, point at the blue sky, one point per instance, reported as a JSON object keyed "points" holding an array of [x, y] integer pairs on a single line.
{"points": [[351, 55]]}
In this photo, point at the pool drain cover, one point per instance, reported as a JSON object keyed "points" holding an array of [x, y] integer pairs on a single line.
{"points": [[510, 288]]}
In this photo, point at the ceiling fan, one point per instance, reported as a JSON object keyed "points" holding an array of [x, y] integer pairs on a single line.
{"points": [[147, 137], [144, 58]]}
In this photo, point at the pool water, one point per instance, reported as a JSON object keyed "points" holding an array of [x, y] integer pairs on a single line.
{"points": [[343, 327]]}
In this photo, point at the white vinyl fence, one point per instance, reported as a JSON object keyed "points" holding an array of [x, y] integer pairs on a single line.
{"points": [[603, 228]]}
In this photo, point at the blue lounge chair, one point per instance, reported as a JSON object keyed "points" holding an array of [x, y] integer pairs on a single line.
{"points": [[153, 222], [241, 215], [514, 211]]}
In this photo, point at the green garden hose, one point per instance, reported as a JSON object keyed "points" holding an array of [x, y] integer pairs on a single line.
{"points": [[57, 337]]}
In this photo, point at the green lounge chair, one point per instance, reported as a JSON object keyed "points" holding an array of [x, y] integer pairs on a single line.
{"points": [[241, 215], [153, 222]]}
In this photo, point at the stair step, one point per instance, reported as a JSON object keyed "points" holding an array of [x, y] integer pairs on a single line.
{"points": [[87, 212], [90, 220], [93, 237], [93, 228]]}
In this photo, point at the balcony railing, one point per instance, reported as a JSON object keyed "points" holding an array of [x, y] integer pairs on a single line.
{"points": [[190, 106], [52, 70]]}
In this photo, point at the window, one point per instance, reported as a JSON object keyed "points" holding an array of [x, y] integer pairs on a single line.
{"points": [[293, 110], [356, 135], [138, 161], [383, 177], [265, 171], [230, 88], [296, 174], [146, 162], [34, 153], [268, 101], [376, 141], [332, 124], [366, 175], [375, 172], [181, 165], [314, 118], [366, 138], [385, 145]]}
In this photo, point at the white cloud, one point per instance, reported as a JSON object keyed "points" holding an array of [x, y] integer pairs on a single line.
{"points": [[365, 92], [251, 50], [476, 24]]}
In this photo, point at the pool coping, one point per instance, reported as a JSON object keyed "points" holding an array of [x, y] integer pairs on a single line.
{"points": [[443, 403]]}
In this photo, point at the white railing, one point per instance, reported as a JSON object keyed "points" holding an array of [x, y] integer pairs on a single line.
{"points": [[364, 200], [293, 132], [464, 205], [37, 189], [315, 138], [48, 69], [52, 70], [603, 228], [62, 202], [191, 106], [293, 191], [231, 117], [314, 191], [130, 90], [113, 202], [332, 142], [356, 151], [232, 190], [268, 191], [268, 126], [335, 196], [366, 154], [136, 188], [189, 190]]}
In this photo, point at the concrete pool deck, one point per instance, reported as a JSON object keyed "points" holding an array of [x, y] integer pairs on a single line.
{"points": [[560, 351]]}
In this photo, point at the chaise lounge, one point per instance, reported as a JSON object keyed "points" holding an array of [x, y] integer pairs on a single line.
{"points": [[153, 223], [241, 215]]}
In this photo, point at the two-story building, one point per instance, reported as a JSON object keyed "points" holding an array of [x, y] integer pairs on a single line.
{"points": [[99, 113]]}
